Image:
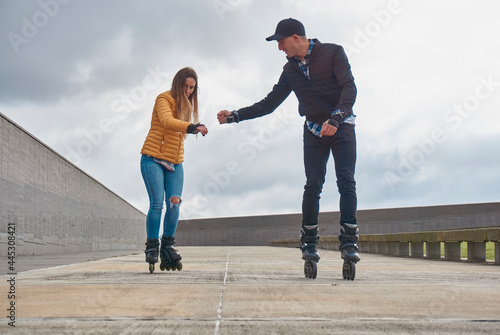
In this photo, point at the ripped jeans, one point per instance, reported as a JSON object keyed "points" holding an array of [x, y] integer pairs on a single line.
{"points": [[162, 185]]}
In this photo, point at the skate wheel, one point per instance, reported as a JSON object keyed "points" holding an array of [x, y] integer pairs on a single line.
{"points": [[151, 267], [310, 269], [349, 270], [171, 266]]}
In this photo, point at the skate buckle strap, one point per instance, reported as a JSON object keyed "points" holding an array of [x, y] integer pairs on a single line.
{"points": [[311, 230], [351, 225], [309, 238], [308, 246], [349, 228], [349, 246]]}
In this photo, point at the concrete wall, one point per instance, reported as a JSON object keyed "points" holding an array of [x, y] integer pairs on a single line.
{"points": [[259, 230], [55, 207]]}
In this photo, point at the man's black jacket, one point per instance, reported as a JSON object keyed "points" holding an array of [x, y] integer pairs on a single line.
{"points": [[331, 86]]}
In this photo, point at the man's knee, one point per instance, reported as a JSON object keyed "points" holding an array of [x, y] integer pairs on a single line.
{"points": [[346, 185], [313, 189]]}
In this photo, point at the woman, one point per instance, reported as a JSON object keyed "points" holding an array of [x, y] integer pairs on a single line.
{"points": [[175, 114]]}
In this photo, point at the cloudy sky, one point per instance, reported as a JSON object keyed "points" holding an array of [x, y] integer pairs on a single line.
{"points": [[82, 76]]}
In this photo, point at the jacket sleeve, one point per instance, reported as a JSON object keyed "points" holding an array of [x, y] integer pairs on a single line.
{"points": [[267, 105], [164, 107], [342, 71]]}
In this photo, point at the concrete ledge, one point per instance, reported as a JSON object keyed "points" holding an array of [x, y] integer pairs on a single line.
{"points": [[412, 244], [473, 235]]}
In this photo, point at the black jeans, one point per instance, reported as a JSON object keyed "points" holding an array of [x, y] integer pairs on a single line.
{"points": [[316, 154]]}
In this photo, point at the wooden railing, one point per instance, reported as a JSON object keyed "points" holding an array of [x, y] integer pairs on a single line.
{"points": [[421, 244]]}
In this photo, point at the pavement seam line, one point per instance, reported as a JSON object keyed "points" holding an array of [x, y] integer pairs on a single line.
{"points": [[219, 310]]}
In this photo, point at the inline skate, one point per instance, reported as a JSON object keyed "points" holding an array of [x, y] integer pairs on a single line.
{"points": [[170, 259], [349, 249], [310, 255], [152, 249]]}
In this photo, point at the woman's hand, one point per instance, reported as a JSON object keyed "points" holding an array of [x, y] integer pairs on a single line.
{"points": [[202, 129], [197, 128]]}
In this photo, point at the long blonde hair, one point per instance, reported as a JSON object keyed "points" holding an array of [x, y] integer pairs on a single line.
{"points": [[186, 107]]}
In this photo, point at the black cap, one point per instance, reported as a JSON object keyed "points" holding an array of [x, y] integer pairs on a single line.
{"points": [[287, 27]]}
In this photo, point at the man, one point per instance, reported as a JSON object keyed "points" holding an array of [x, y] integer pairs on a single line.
{"points": [[321, 78]]}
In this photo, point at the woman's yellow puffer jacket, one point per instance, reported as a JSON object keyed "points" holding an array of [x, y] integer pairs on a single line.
{"points": [[165, 139]]}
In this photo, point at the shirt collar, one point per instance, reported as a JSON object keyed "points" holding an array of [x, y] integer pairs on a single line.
{"points": [[311, 44]]}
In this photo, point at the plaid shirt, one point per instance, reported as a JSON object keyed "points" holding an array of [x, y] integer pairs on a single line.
{"points": [[315, 128], [305, 65]]}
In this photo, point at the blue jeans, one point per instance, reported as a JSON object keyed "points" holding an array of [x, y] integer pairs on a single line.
{"points": [[316, 154], [161, 184]]}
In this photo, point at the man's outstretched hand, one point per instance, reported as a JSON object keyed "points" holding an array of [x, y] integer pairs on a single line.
{"points": [[222, 116]]}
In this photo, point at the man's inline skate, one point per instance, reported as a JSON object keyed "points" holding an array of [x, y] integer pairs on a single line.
{"points": [[310, 255], [170, 259], [349, 249], [152, 249]]}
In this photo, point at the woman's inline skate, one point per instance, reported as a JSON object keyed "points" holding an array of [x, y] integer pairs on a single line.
{"points": [[170, 259], [152, 249]]}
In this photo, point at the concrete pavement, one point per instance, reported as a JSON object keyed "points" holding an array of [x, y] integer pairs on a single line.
{"points": [[254, 290]]}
